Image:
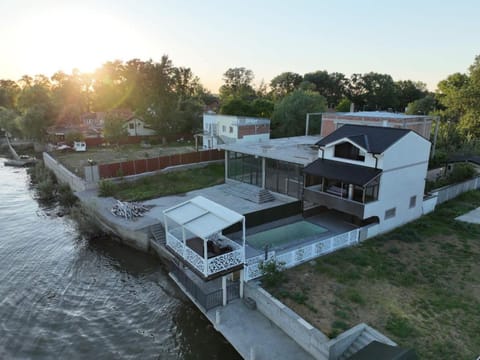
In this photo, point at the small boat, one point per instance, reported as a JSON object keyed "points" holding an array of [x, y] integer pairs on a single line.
{"points": [[24, 161]]}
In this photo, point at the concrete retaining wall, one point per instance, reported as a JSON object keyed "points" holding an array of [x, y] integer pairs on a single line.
{"points": [[308, 337], [429, 204], [66, 176], [136, 238]]}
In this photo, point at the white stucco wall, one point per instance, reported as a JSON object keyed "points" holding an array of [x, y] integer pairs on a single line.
{"points": [[404, 171]]}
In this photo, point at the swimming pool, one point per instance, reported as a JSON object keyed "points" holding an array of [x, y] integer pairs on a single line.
{"points": [[284, 234]]}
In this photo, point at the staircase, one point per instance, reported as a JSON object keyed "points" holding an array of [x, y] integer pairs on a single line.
{"points": [[158, 234], [249, 192], [359, 343]]}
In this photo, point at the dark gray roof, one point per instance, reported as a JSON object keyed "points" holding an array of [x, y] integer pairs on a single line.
{"points": [[345, 172], [374, 139]]}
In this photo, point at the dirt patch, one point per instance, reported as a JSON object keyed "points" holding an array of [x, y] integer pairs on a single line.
{"points": [[76, 161]]}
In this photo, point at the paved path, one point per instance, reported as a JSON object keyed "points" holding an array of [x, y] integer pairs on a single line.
{"points": [[245, 328], [471, 217]]}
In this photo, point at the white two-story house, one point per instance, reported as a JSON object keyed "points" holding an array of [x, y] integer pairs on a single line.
{"points": [[375, 174], [228, 129]]}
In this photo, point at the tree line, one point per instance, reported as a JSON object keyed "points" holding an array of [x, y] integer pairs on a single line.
{"points": [[171, 99]]}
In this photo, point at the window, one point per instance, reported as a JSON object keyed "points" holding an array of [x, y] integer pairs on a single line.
{"points": [[413, 201], [230, 129], [131, 126], [390, 213], [348, 151]]}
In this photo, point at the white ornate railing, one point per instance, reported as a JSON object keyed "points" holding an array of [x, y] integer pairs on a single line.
{"points": [[302, 254], [225, 261], [211, 266]]}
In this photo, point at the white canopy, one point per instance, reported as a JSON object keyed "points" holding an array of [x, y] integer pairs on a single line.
{"points": [[202, 217]]}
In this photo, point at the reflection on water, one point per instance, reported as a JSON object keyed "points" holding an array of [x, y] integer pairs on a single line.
{"points": [[63, 296]]}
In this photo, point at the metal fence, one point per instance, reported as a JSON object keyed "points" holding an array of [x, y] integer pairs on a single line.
{"points": [[451, 191], [135, 167], [207, 299]]}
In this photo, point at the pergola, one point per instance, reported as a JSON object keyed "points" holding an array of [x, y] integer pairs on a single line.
{"points": [[194, 233]]}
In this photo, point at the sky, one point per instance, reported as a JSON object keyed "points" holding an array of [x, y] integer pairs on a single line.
{"points": [[417, 40]]}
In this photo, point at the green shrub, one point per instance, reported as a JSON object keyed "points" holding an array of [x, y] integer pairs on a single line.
{"points": [[400, 326], [272, 272], [106, 188], [66, 196]]}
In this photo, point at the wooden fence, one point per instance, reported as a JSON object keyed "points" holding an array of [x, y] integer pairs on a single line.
{"points": [[135, 167]]}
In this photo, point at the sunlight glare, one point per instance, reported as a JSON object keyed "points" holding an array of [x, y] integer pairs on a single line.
{"points": [[73, 38]]}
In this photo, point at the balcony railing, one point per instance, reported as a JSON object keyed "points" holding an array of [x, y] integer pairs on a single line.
{"points": [[212, 265], [334, 202]]}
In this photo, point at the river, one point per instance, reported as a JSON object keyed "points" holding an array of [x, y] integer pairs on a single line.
{"points": [[63, 296]]}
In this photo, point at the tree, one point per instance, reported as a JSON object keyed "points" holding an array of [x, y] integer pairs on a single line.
{"points": [[372, 91], [343, 105], [421, 106], [9, 91], [263, 108], [330, 85], [285, 83], [238, 84], [236, 106], [8, 120], [288, 118], [114, 128], [407, 91], [460, 94], [36, 111]]}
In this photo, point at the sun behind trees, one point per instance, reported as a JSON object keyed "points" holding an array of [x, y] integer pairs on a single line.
{"points": [[171, 99]]}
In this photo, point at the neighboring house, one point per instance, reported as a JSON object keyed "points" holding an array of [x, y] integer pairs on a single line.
{"points": [[374, 174], [138, 127], [421, 124], [227, 129]]}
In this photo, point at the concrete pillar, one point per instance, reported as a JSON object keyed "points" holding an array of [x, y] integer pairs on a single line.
{"points": [[350, 191], [224, 289], [241, 283], [264, 177], [205, 257], [226, 165]]}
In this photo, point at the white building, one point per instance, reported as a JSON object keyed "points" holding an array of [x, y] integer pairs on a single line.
{"points": [[138, 127], [375, 174], [227, 129]]}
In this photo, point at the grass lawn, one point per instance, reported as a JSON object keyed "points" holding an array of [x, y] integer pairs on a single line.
{"points": [[177, 182], [419, 285], [76, 161]]}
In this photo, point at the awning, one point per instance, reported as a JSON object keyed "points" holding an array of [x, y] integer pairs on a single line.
{"points": [[345, 172], [203, 217]]}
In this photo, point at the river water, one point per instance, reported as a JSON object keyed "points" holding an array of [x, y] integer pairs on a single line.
{"points": [[66, 297]]}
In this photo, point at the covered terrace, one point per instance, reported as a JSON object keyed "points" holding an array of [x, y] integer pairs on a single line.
{"points": [[194, 234], [341, 186]]}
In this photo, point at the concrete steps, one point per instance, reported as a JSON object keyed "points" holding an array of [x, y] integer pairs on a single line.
{"points": [[249, 192], [359, 343], [158, 234]]}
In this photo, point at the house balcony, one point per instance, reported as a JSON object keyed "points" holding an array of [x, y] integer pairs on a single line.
{"points": [[334, 199], [223, 254]]}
